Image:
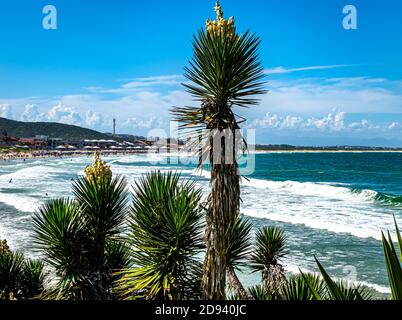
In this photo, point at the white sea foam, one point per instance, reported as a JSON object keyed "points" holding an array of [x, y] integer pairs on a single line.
{"points": [[20, 202], [316, 205], [313, 189], [305, 188], [28, 173], [30, 182], [293, 269]]}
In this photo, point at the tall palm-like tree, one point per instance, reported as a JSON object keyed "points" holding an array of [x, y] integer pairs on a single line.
{"points": [[166, 236], [269, 250], [225, 72], [81, 237]]}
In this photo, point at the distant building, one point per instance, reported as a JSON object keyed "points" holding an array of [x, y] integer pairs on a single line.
{"points": [[102, 144], [52, 143], [8, 141], [33, 143], [41, 138]]}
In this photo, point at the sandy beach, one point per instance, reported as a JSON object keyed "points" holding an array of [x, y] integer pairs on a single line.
{"points": [[43, 154], [29, 155]]}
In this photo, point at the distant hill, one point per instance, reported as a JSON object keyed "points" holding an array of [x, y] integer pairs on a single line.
{"points": [[20, 129]]}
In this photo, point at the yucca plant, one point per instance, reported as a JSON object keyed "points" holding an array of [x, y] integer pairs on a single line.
{"points": [[297, 288], [334, 290], [259, 292], [81, 238], [225, 73], [239, 249], [20, 278], [166, 237], [393, 264], [270, 248], [32, 279]]}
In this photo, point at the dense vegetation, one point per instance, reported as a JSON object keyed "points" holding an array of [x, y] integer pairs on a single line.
{"points": [[102, 245], [20, 129]]}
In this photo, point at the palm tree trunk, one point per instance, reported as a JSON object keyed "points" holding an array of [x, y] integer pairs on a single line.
{"points": [[223, 207], [235, 284], [274, 278]]}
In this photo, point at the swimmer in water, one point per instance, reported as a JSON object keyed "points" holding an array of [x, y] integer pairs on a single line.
{"points": [[11, 180]]}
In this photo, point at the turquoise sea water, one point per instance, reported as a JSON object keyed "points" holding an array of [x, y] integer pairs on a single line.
{"points": [[331, 205]]}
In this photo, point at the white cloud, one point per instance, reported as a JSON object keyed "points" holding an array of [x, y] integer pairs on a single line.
{"points": [[395, 125], [366, 125], [58, 113], [283, 70], [141, 84], [6, 111], [154, 81], [307, 104], [94, 119], [32, 114], [63, 114], [334, 122], [142, 98], [331, 122], [314, 96], [150, 123]]}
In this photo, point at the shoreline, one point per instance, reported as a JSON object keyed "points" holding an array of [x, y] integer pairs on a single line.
{"points": [[30, 155], [33, 155], [326, 151]]}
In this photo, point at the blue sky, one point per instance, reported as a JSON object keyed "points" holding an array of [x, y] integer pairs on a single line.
{"points": [[125, 59]]}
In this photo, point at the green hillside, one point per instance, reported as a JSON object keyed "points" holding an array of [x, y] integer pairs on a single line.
{"points": [[20, 129]]}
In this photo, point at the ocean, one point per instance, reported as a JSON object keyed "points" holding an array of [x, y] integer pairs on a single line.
{"points": [[331, 205]]}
